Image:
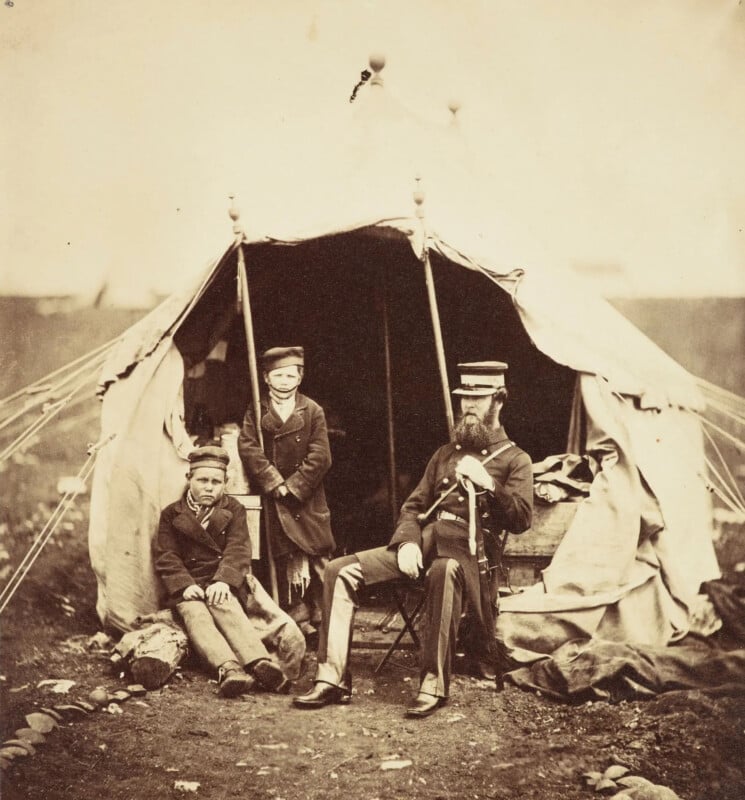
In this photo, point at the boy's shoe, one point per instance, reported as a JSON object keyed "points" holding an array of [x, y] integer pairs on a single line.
{"points": [[232, 680], [268, 675]]}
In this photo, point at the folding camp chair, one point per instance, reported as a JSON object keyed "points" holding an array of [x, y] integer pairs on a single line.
{"points": [[401, 590], [410, 614]]}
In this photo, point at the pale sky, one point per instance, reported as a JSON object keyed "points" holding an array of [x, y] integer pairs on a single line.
{"points": [[613, 130]]}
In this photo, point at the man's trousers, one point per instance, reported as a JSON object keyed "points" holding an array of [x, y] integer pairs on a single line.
{"points": [[221, 633], [444, 587]]}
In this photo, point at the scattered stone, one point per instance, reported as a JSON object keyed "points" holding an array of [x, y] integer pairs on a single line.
{"points": [[401, 763], [4, 764], [42, 722], [57, 686], [615, 771], [642, 789], [137, 690], [50, 712], [89, 707], [99, 696], [30, 735], [186, 786], [634, 781], [120, 696], [27, 746], [70, 710], [13, 751], [113, 708], [605, 783]]}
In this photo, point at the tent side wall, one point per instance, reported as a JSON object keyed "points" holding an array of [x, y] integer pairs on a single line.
{"points": [[140, 472], [639, 547]]}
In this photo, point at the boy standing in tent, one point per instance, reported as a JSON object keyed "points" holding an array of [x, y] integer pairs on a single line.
{"points": [[289, 472], [202, 553]]}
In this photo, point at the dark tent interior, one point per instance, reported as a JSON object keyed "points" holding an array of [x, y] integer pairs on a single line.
{"points": [[342, 298]]}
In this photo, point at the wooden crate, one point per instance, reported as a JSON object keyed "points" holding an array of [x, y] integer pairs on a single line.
{"points": [[526, 554], [252, 504]]}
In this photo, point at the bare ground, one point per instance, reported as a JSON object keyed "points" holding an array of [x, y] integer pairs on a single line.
{"points": [[482, 745]]}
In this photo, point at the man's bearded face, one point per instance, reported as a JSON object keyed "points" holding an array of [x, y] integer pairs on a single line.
{"points": [[476, 422]]}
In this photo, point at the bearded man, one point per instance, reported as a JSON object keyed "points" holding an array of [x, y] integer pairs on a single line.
{"points": [[480, 480]]}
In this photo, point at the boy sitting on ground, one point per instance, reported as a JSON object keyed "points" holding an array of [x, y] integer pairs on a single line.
{"points": [[202, 553]]}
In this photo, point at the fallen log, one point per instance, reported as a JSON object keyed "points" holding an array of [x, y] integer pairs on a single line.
{"points": [[152, 653]]}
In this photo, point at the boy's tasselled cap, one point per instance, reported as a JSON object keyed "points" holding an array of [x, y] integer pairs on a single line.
{"points": [[278, 357], [209, 456], [480, 378]]}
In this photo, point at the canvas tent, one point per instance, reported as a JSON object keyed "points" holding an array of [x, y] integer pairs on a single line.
{"points": [[338, 261]]}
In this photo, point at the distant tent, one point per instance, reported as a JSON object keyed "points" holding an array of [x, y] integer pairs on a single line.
{"points": [[343, 273]]}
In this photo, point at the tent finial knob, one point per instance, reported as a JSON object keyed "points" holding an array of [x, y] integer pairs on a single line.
{"points": [[377, 62], [234, 214], [454, 107], [418, 196]]}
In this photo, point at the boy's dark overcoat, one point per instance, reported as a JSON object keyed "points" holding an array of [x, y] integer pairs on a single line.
{"points": [[185, 553], [297, 453]]}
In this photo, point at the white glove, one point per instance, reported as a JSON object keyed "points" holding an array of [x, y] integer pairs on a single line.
{"points": [[217, 593], [472, 469], [409, 558]]}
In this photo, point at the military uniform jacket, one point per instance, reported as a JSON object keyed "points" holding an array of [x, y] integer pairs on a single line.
{"points": [[509, 507], [297, 453], [185, 553]]}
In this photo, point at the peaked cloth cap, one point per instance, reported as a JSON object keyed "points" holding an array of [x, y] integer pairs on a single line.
{"points": [[209, 456], [278, 357], [480, 378]]}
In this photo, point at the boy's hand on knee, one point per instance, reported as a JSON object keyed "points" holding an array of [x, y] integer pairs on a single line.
{"points": [[218, 593], [193, 592], [409, 559]]}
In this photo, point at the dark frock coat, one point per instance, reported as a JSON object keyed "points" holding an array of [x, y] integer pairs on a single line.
{"points": [[509, 507], [185, 553], [297, 453]]}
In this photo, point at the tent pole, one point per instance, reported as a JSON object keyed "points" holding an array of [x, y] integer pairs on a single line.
{"points": [[392, 482], [439, 347], [256, 399]]}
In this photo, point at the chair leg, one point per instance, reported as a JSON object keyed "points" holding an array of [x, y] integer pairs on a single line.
{"points": [[409, 620]]}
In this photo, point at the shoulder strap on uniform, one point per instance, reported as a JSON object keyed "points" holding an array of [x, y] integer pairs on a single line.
{"points": [[498, 451]]}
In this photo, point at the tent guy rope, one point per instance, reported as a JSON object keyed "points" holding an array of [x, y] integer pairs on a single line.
{"points": [[51, 526]]}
